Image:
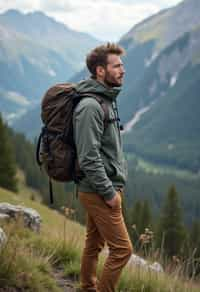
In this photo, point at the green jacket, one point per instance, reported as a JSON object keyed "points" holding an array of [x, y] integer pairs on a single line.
{"points": [[99, 149]]}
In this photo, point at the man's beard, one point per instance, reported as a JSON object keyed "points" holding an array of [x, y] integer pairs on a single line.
{"points": [[111, 83]]}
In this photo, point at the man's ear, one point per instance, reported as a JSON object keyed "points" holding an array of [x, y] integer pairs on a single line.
{"points": [[100, 70]]}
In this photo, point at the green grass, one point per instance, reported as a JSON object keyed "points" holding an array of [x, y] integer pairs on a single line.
{"points": [[153, 168], [26, 192], [23, 266], [140, 280], [28, 260], [153, 30], [72, 270]]}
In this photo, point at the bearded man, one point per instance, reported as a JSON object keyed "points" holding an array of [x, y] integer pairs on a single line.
{"points": [[100, 158]]}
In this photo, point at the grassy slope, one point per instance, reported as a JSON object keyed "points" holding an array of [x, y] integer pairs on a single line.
{"points": [[52, 221], [58, 245], [61, 242]]}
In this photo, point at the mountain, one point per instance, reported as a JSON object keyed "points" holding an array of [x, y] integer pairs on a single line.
{"points": [[165, 27], [163, 104], [169, 132], [36, 51], [146, 41], [51, 34], [159, 102]]}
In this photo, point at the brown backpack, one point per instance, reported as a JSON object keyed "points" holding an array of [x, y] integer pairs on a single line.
{"points": [[56, 149]]}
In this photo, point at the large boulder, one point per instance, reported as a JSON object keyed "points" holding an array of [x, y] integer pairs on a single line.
{"points": [[31, 217]]}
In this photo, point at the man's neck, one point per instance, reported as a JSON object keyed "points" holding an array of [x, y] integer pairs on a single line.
{"points": [[102, 82]]}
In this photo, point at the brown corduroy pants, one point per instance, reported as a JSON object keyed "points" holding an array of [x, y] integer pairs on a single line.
{"points": [[104, 225]]}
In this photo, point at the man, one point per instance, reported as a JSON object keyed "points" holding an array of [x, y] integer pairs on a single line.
{"points": [[101, 160]]}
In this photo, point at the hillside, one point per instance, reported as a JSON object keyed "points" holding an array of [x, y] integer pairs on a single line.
{"points": [[56, 251], [35, 51], [47, 260], [146, 42], [160, 95], [169, 131], [50, 33], [165, 27]]}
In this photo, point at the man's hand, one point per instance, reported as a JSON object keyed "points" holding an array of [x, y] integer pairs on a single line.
{"points": [[113, 202]]}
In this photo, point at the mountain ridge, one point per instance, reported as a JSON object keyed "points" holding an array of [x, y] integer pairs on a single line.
{"points": [[36, 51]]}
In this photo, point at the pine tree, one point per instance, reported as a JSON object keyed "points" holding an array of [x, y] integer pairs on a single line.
{"points": [[136, 215], [171, 233], [146, 217], [140, 220], [7, 161]]}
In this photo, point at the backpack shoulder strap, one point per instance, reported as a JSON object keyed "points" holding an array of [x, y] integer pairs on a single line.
{"points": [[105, 109], [103, 105]]}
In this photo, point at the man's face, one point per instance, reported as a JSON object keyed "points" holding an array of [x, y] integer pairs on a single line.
{"points": [[114, 71]]}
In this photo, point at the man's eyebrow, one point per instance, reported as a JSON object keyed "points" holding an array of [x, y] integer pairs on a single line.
{"points": [[119, 64]]}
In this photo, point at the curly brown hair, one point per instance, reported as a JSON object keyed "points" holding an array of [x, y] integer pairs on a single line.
{"points": [[98, 56]]}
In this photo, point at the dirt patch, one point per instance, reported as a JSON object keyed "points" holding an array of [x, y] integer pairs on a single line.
{"points": [[68, 285]]}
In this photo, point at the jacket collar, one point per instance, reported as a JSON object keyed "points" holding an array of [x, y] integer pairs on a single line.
{"points": [[93, 86]]}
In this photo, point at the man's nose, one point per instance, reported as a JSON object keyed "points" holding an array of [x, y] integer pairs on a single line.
{"points": [[123, 70]]}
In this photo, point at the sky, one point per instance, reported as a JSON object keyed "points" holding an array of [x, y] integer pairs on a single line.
{"points": [[107, 20]]}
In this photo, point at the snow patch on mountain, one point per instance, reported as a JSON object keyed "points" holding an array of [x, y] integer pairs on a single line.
{"points": [[173, 79], [129, 126], [149, 61]]}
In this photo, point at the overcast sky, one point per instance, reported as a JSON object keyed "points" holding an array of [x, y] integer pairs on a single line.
{"points": [[105, 19]]}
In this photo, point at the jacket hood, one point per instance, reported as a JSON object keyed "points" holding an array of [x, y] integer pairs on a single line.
{"points": [[96, 87]]}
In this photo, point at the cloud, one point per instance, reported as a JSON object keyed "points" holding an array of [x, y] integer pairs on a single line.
{"points": [[53, 6], [106, 19], [23, 5]]}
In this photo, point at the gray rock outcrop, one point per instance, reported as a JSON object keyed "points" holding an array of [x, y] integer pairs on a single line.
{"points": [[31, 217]]}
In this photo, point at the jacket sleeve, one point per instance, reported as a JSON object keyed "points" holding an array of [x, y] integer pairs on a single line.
{"points": [[88, 121]]}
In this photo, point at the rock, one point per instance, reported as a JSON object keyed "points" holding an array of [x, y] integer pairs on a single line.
{"points": [[138, 261], [156, 267], [4, 217], [3, 237], [31, 217]]}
